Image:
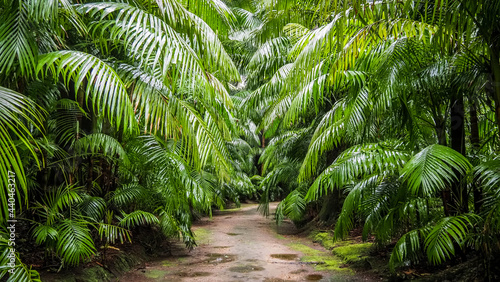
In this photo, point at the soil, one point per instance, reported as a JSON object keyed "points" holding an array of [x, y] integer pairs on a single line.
{"points": [[239, 245]]}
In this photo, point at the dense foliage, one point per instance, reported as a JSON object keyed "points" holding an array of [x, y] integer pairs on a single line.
{"points": [[114, 115], [382, 115], [398, 105]]}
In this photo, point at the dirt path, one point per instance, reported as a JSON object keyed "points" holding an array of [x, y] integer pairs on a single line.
{"points": [[236, 245]]}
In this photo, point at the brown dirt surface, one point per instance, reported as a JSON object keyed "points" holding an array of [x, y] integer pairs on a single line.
{"points": [[238, 245]]}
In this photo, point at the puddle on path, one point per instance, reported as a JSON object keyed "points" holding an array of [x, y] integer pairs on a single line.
{"points": [[285, 256], [314, 277], [246, 268], [220, 258]]}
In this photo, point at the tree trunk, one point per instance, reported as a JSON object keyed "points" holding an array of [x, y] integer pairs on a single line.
{"points": [[457, 133], [475, 141], [495, 81], [446, 193], [441, 133]]}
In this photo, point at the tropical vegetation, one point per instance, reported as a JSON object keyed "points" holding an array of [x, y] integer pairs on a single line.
{"points": [[375, 115]]}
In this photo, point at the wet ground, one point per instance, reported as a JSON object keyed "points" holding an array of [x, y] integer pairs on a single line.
{"points": [[237, 245]]}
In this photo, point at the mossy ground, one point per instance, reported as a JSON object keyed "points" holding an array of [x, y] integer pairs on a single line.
{"points": [[350, 251], [324, 238], [325, 260], [168, 263], [155, 273], [353, 253], [231, 210], [202, 235]]}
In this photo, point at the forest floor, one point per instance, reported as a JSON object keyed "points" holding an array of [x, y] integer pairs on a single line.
{"points": [[242, 245]]}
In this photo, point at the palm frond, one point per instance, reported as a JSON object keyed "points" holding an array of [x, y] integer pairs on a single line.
{"points": [[409, 247], [18, 271], [102, 85], [127, 194], [137, 218], [328, 134], [112, 232], [15, 111], [360, 160], [17, 44], [93, 207], [75, 241], [439, 244], [432, 169], [42, 233], [100, 143]]}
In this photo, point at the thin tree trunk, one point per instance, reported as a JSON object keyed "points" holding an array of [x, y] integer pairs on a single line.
{"points": [[441, 133], [459, 192], [262, 145], [457, 134], [446, 193], [90, 174], [475, 141], [495, 81]]}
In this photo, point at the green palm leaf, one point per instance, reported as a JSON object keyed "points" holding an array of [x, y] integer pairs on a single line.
{"points": [[100, 143], [432, 169], [439, 244], [75, 241], [409, 247], [112, 232], [137, 218], [44, 232], [15, 111], [357, 161], [21, 271], [17, 41], [102, 85]]}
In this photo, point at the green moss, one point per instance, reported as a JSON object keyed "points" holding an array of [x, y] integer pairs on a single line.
{"points": [[353, 253], [328, 262], [279, 236], [325, 239], [168, 263], [325, 260], [231, 210], [319, 236], [305, 249], [202, 235], [349, 251], [155, 273]]}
